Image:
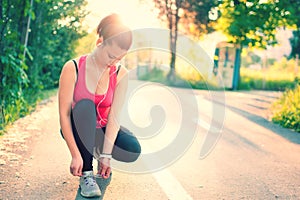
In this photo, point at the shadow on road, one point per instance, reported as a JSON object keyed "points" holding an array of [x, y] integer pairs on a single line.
{"points": [[288, 134], [253, 106]]}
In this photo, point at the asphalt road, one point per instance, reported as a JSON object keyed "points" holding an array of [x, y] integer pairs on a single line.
{"points": [[248, 158]]}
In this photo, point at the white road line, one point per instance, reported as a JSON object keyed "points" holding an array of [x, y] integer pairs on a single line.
{"points": [[169, 184], [202, 123], [206, 125]]}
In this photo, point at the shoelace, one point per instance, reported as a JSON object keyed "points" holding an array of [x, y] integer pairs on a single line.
{"points": [[89, 180]]}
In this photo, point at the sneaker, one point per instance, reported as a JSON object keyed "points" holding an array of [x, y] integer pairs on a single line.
{"points": [[88, 185]]}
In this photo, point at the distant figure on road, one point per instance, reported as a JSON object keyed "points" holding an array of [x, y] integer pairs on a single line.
{"points": [[92, 90]]}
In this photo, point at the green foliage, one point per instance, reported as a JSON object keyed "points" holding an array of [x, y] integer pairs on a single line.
{"points": [[87, 44], [28, 68], [279, 76], [58, 40], [253, 23], [201, 14], [258, 81], [286, 111]]}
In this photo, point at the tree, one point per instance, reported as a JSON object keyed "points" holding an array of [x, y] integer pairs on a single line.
{"points": [[192, 15], [252, 23], [53, 32], [13, 75], [53, 38]]}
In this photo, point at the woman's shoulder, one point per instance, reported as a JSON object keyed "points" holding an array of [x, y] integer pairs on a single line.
{"points": [[70, 65], [69, 69]]}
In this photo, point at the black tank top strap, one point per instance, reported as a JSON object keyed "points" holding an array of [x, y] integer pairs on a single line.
{"points": [[119, 67], [76, 66]]}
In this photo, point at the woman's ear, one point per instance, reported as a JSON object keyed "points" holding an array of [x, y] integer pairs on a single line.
{"points": [[99, 41]]}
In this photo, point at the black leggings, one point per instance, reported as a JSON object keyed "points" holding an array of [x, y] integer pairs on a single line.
{"points": [[90, 140]]}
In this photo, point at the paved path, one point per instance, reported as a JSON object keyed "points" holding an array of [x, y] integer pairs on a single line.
{"points": [[254, 159]]}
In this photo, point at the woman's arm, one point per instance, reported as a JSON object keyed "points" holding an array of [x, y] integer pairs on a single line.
{"points": [[65, 97], [113, 124]]}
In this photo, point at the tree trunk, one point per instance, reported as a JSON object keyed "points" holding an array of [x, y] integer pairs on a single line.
{"points": [[22, 23], [236, 70], [173, 27]]}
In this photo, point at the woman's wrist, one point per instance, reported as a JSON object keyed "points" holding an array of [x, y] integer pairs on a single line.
{"points": [[75, 153], [106, 155]]}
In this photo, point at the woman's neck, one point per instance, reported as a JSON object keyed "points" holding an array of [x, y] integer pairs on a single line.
{"points": [[96, 58]]}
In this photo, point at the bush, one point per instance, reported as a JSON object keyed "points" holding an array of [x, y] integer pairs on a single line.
{"points": [[286, 111]]}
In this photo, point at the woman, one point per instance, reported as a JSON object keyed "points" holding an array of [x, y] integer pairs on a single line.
{"points": [[91, 93]]}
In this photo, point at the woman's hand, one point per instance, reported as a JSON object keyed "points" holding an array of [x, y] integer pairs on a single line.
{"points": [[76, 166], [104, 168]]}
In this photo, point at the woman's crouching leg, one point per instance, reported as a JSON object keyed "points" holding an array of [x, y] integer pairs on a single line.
{"points": [[126, 148], [83, 120]]}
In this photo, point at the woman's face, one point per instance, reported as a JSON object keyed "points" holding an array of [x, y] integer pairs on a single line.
{"points": [[112, 54]]}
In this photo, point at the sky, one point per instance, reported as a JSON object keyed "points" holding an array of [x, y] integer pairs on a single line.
{"points": [[138, 15], [134, 14]]}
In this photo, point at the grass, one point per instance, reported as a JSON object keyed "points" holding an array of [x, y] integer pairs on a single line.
{"points": [[279, 76], [22, 107], [286, 111], [266, 80], [46, 94], [284, 76]]}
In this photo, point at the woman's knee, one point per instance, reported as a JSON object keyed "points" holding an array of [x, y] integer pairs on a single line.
{"points": [[84, 106], [128, 151], [124, 155], [84, 112], [135, 150], [134, 146]]}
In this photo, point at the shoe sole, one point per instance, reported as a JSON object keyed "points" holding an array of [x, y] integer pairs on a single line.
{"points": [[90, 195]]}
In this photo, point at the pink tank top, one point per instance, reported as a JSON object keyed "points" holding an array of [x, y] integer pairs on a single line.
{"points": [[102, 102]]}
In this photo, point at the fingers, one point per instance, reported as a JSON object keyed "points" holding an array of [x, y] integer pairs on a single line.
{"points": [[79, 172], [105, 172], [76, 171], [104, 168]]}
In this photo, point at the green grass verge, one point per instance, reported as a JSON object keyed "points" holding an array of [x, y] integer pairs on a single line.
{"points": [[286, 111], [20, 107], [266, 80]]}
